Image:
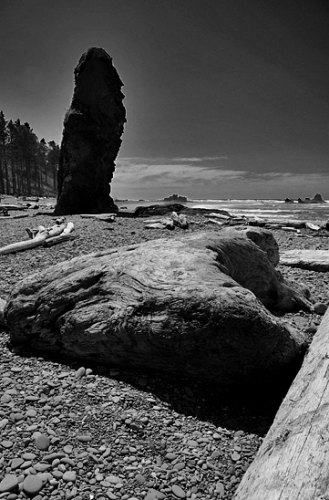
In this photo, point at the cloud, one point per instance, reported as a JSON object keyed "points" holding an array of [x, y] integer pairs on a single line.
{"points": [[209, 177], [171, 172]]}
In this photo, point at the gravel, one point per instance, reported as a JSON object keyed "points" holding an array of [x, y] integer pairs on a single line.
{"points": [[89, 432]]}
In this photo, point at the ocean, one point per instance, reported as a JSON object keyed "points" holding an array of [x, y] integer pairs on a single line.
{"points": [[274, 209]]}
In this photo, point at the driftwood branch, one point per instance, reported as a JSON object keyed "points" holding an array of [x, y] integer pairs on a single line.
{"points": [[55, 234], [293, 461], [64, 236], [38, 240], [102, 217]]}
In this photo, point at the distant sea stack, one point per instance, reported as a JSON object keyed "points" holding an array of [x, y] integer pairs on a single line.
{"points": [[93, 127], [176, 198], [316, 199]]}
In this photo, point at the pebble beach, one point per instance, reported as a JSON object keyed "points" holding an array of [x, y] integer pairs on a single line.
{"points": [[93, 432]]}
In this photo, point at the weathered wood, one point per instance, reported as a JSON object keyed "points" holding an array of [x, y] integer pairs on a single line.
{"points": [[18, 216], [297, 224], [293, 461], [2, 309], [102, 217], [55, 240], [183, 305], [163, 223], [26, 244], [66, 235], [314, 260], [179, 220]]}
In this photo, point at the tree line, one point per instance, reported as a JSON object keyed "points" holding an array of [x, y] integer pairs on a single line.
{"points": [[28, 167]]}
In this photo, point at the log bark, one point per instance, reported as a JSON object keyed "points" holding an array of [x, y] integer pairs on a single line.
{"points": [[313, 260], [293, 461], [183, 305]]}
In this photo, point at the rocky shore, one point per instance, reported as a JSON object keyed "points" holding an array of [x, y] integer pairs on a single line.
{"points": [[84, 432]]}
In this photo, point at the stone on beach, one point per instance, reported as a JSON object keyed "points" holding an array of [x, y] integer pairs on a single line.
{"points": [[186, 305]]}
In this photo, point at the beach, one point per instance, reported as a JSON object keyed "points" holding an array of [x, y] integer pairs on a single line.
{"points": [[127, 434]]}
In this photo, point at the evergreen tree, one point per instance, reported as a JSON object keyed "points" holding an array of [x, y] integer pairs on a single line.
{"points": [[27, 166]]}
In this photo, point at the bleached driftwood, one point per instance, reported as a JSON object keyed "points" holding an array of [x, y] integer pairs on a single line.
{"points": [[26, 244], [297, 224], [37, 237], [293, 461], [164, 223], [64, 236], [9, 217], [215, 215], [179, 220], [216, 222], [313, 227], [2, 309], [314, 260], [15, 207], [103, 217]]}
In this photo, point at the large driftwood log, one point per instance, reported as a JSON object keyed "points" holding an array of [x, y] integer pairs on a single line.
{"points": [[184, 305], [293, 461], [314, 260]]}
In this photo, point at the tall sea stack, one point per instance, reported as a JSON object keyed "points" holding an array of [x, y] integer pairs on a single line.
{"points": [[93, 127]]}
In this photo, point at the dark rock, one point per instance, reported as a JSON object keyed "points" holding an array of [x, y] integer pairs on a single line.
{"points": [[190, 306], [151, 210], [317, 199], [91, 140], [288, 200], [178, 198]]}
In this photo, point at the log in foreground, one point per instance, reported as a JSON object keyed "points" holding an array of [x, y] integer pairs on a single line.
{"points": [[293, 461], [183, 305]]}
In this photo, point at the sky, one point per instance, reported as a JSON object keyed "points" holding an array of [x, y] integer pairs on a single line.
{"points": [[224, 98]]}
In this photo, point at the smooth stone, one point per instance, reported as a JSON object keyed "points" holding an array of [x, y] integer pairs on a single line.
{"points": [[16, 462], [80, 372], [9, 482], [6, 398], [177, 491], [171, 456], [84, 438], [140, 478], [32, 484], [57, 474], [113, 479], [53, 456], [320, 308], [68, 461], [30, 413], [42, 442], [69, 476], [6, 443], [40, 467], [68, 449], [179, 466], [28, 456]]}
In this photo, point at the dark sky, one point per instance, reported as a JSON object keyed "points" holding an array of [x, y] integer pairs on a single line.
{"points": [[224, 98]]}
